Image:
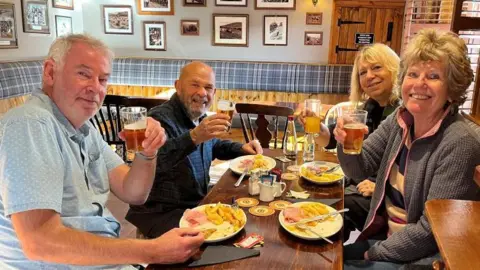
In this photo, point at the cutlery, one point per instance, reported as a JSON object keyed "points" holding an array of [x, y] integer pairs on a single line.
{"points": [[245, 171], [334, 168], [304, 226], [321, 217]]}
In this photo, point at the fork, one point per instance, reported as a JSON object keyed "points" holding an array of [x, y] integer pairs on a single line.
{"points": [[303, 226], [245, 171], [234, 203], [320, 217]]}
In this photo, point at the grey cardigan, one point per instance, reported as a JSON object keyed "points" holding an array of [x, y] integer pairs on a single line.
{"points": [[440, 165]]}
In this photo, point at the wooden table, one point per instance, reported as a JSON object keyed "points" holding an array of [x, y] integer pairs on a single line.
{"points": [[455, 227], [281, 250]]}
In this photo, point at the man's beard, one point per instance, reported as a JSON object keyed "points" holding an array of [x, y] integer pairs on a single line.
{"points": [[194, 114]]}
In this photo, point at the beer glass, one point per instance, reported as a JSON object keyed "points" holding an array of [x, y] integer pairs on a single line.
{"points": [[313, 119], [134, 122], [226, 107], [353, 124]]}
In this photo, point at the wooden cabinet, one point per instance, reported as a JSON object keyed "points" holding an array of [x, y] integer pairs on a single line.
{"points": [[351, 18]]}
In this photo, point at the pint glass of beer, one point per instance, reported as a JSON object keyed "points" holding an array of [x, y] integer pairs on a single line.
{"points": [[134, 121], [313, 119], [354, 123], [226, 107]]}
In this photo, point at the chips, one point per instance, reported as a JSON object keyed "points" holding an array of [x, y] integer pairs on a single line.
{"points": [[319, 177], [208, 232], [219, 213]]}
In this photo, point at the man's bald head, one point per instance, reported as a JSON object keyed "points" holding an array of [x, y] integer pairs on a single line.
{"points": [[196, 88]]}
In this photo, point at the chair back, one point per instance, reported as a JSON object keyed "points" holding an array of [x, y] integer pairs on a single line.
{"points": [[107, 119], [247, 112], [334, 112]]}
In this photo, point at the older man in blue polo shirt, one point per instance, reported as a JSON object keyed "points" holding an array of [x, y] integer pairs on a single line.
{"points": [[182, 178], [56, 173]]}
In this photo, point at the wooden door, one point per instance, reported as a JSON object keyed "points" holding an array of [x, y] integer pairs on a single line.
{"points": [[383, 20]]}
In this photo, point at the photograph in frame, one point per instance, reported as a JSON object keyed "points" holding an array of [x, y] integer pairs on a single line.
{"points": [[35, 16], [231, 3], [275, 30], [8, 28], [154, 36], [230, 30], [275, 4], [195, 3], [156, 7], [65, 4], [190, 27], [63, 25], [313, 18], [313, 38], [118, 20]]}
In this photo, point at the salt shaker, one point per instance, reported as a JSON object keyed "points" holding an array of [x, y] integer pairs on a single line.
{"points": [[253, 187]]}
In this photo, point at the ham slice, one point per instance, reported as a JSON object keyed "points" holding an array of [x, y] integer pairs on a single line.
{"points": [[293, 214], [194, 217]]}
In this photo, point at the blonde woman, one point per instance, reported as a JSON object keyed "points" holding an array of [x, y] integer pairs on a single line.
{"points": [[424, 151]]}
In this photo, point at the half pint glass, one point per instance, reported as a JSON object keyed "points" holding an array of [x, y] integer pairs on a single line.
{"points": [[134, 121], [354, 123], [226, 107], [312, 120]]}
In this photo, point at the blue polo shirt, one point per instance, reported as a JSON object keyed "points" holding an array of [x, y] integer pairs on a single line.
{"points": [[45, 163]]}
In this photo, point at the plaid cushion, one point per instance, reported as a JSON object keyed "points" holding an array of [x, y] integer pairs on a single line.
{"points": [[20, 78]]}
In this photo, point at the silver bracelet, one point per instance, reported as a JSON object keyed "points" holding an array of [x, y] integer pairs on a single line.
{"points": [[144, 157]]}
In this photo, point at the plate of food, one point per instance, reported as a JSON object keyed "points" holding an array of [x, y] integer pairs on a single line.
{"points": [[253, 163], [321, 172], [217, 222], [296, 212]]}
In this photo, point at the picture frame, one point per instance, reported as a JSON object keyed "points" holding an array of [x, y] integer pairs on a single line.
{"points": [[154, 33], [230, 30], [313, 18], [63, 25], [313, 38], [64, 4], [118, 19], [35, 16], [156, 7], [275, 30], [275, 4], [231, 3], [8, 27], [194, 3], [190, 27]]}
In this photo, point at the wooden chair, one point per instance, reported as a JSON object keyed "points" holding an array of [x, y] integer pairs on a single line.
{"points": [[262, 133], [107, 120]]}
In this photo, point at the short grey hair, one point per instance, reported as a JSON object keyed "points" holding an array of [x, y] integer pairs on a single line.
{"points": [[61, 46]]}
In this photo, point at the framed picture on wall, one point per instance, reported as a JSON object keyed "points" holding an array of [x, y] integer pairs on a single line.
{"points": [[313, 38], [195, 3], [190, 27], [156, 7], [275, 30], [313, 18], [63, 25], [118, 19], [65, 4], [231, 3], [8, 28], [35, 16], [155, 38], [275, 4], [230, 30]]}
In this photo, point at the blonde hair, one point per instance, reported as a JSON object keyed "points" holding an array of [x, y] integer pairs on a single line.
{"points": [[376, 53], [62, 45], [450, 50]]}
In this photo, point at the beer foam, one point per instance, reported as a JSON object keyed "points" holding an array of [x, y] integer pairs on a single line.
{"points": [[354, 126], [225, 106], [137, 125]]}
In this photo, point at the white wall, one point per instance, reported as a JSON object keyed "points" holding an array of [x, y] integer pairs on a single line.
{"points": [[35, 46], [87, 17], [199, 47]]}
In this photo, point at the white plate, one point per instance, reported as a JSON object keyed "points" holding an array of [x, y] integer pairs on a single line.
{"points": [[224, 230], [323, 164], [235, 164], [326, 228]]}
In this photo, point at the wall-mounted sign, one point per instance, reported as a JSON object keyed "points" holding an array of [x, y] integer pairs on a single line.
{"points": [[364, 38]]}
